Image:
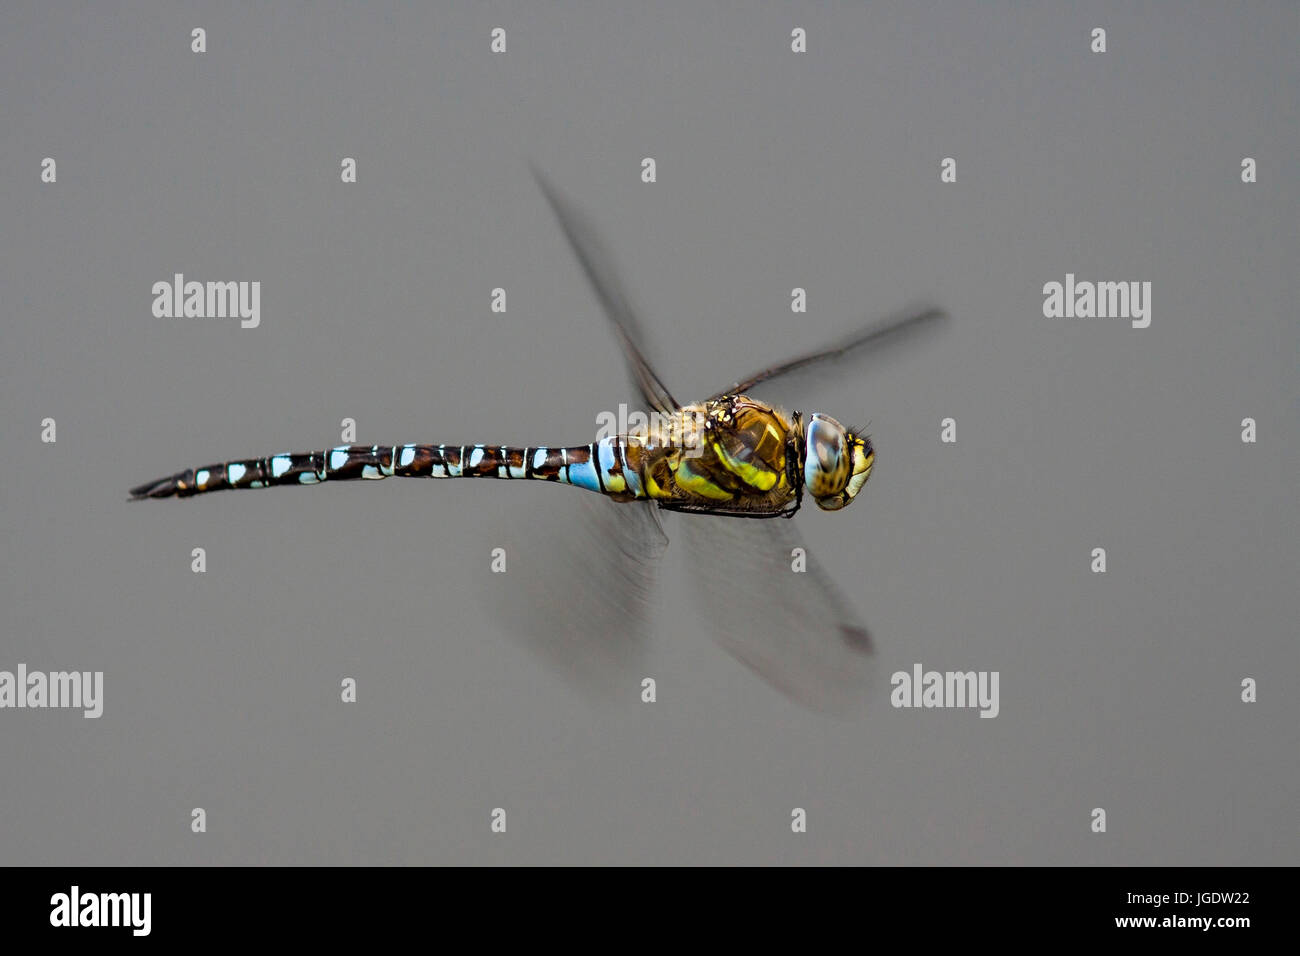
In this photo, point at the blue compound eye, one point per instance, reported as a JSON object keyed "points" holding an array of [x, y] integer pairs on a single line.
{"points": [[826, 449], [826, 460]]}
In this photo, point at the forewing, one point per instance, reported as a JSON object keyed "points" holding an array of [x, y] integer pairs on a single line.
{"points": [[891, 330], [795, 629], [604, 281]]}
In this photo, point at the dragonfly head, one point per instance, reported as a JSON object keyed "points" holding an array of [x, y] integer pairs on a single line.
{"points": [[837, 462]]}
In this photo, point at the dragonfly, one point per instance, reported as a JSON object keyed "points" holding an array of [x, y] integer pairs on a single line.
{"points": [[732, 456]]}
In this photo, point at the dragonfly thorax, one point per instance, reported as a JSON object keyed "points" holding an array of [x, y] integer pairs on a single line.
{"points": [[837, 462]]}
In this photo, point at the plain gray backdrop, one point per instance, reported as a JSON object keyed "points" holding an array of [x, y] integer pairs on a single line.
{"points": [[775, 170]]}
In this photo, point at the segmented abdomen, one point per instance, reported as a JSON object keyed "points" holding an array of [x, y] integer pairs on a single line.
{"points": [[600, 466]]}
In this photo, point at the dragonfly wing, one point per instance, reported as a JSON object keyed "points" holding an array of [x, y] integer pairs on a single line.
{"points": [[579, 586], [877, 334], [604, 281], [793, 628]]}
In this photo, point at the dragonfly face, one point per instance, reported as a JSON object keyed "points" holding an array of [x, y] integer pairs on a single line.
{"points": [[837, 462]]}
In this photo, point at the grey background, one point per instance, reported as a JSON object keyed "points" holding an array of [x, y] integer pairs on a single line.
{"points": [[775, 170]]}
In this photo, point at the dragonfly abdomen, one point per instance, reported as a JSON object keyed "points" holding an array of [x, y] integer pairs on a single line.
{"points": [[600, 466]]}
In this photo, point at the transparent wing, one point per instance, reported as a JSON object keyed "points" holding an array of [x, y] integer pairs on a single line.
{"points": [[582, 571], [893, 329], [794, 629], [604, 281], [580, 586]]}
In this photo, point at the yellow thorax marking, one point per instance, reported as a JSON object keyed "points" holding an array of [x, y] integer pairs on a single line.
{"points": [[698, 484], [653, 490], [758, 476]]}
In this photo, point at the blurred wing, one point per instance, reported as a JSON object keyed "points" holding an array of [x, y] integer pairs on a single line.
{"points": [[583, 570], [794, 629], [579, 586], [892, 329], [600, 273]]}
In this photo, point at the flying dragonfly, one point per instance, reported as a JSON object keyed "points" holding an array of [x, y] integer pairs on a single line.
{"points": [[729, 457]]}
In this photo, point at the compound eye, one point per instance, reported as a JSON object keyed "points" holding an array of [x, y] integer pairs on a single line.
{"points": [[827, 446], [827, 453]]}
